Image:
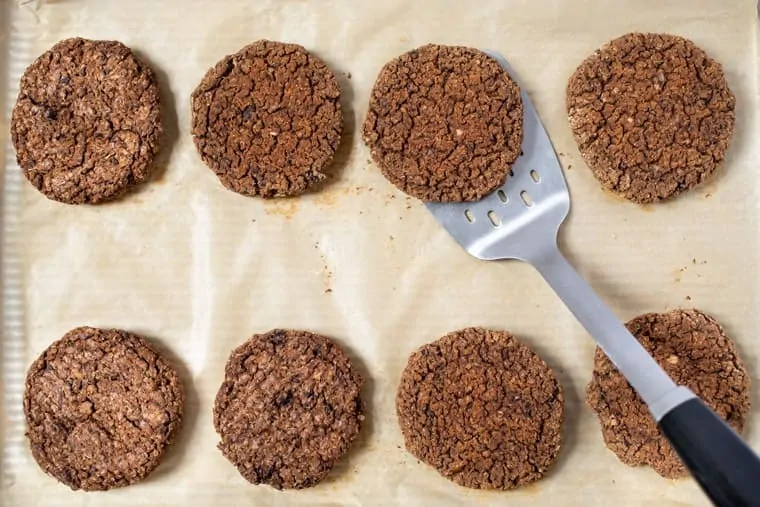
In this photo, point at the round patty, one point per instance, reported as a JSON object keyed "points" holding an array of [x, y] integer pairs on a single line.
{"points": [[87, 124], [267, 120], [289, 407], [482, 409], [695, 351], [101, 408], [444, 123], [652, 115]]}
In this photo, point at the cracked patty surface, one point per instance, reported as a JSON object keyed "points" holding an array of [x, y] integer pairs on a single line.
{"points": [[267, 120], [289, 407], [694, 351], [652, 115], [86, 125], [482, 409], [101, 408], [444, 123]]}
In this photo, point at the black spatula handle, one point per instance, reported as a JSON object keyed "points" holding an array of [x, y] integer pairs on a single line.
{"points": [[724, 466]]}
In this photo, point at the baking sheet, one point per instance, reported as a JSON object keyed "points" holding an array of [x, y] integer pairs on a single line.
{"points": [[199, 269]]}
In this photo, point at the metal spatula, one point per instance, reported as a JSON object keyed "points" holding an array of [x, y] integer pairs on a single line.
{"points": [[521, 220]]}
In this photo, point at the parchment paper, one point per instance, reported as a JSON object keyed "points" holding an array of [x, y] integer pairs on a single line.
{"points": [[199, 269]]}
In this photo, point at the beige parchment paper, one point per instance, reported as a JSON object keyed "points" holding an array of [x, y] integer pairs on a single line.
{"points": [[198, 269]]}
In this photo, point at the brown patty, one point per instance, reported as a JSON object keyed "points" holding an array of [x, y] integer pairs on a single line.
{"points": [[482, 409], [267, 120], [86, 125], [289, 407], [695, 351], [101, 408], [444, 123], [652, 115]]}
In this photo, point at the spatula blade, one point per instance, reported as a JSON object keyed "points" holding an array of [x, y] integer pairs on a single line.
{"points": [[533, 200]]}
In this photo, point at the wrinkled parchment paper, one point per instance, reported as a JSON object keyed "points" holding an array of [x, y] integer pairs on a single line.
{"points": [[199, 269]]}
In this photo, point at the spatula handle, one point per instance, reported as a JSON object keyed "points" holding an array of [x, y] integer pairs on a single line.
{"points": [[724, 466], [654, 386]]}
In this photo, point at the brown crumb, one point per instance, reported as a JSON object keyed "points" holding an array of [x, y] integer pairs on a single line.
{"points": [[87, 125], [288, 409], [652, 115], [482, 409], [444, 123], [101, 406], [267, 119], [694, 351]]}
